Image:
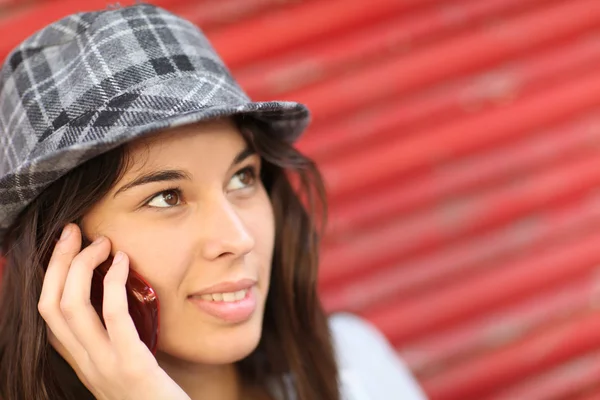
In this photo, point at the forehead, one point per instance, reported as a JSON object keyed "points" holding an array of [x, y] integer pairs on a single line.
{"points": [[206, 142]]}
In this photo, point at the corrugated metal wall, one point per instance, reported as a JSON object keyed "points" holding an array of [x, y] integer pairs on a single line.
{"points": [[460, 141]]}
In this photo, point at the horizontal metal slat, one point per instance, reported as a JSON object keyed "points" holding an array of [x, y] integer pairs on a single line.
{"points": [[276, 31], [11, 3], [461, 55], [484, 252], [436, 351], [10, 13], [434, 146], [588, 394], [212, 14], [302, 65], [453, 100], [405, 320], [461, 217], [495, 370], [534, 150], [563, 382]]}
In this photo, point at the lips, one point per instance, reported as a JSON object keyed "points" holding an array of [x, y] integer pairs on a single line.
{"points": [[227, 287]]}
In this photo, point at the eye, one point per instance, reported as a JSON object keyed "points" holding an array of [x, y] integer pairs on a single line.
{"points": [[166, 199], [244, 178]]}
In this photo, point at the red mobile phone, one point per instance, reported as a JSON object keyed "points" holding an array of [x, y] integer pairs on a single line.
{"points": [[142, 302]]}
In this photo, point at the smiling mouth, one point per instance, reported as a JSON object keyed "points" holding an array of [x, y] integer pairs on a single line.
{"points": [[231, 307]]}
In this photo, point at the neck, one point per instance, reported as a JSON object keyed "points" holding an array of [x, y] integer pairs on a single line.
{"points": [[208, 381]]}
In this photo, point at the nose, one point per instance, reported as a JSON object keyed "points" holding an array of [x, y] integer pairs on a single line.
{"points": [[225, 233]]}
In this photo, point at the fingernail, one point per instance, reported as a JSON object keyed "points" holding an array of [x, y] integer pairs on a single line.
{"points": [[98, 240], [118, 257], [66, 232]]}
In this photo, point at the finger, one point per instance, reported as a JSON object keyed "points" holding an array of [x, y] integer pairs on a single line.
{"points": [[76, 306], [63, 254], [119, 325], [52, 289]]}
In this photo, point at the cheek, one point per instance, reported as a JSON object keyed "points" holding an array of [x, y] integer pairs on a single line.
{"points": [[157, 255], [153, 253], [263, 230], [261, 225]]}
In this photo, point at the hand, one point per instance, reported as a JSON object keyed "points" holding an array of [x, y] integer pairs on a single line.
{"points": [[113, 363]]}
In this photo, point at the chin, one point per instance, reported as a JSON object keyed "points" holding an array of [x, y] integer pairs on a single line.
{"points": [[215, 346]]}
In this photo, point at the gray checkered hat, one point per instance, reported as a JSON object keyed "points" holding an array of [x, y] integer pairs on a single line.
{"points": [[93, 81]]}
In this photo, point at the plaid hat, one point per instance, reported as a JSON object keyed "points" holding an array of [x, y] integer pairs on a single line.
{"points": [[93, 81]]}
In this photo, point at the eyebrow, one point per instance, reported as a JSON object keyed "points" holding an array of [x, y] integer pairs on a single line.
{"points": [[242, 155], [176, 175], [155, 176]]}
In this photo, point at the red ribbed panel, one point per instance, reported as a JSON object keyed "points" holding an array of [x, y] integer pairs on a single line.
{"points": [[460, 142]]}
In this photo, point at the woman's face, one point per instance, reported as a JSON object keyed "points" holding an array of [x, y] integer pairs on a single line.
{"points": [[196, 222]]}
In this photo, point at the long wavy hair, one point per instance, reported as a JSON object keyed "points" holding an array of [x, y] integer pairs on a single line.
{"points": [[295, 348]]}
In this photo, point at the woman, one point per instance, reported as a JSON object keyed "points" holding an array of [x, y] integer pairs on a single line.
{"points": [[123, 128]]}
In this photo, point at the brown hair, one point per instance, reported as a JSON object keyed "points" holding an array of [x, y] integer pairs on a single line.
{"points": [[295, 347]]}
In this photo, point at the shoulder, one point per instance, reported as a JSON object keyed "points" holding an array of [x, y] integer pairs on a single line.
{"points": [[368, 366]]}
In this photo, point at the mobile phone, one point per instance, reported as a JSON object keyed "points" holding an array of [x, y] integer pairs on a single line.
{"points": [[142, 302]]}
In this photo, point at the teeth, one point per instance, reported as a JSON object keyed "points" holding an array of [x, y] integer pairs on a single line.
{"points": [[217, 296], [240, 294], [229, 297]]}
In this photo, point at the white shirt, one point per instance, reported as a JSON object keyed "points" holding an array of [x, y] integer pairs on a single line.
{"points": [[369, 368]]}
